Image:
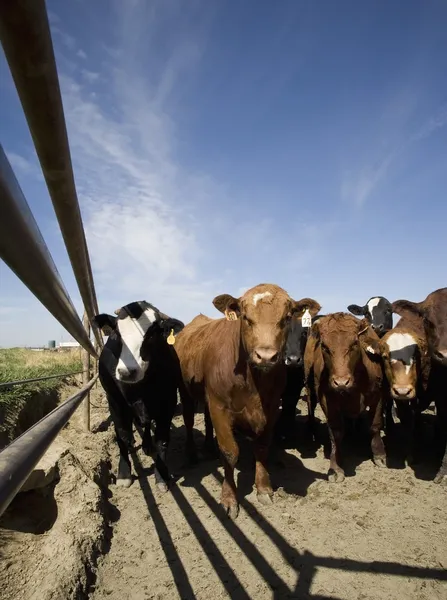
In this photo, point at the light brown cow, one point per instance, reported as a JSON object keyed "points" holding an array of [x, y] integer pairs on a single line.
{"points": [[236, 364], [343, 370], [432, 313]]}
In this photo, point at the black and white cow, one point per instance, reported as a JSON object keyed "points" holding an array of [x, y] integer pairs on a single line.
{"points": [[377, 311], [139, 371], [294, 359]]}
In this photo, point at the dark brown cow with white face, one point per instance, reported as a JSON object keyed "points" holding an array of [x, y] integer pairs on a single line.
{"points": [[236, 364], [432, 313], [343, 371]]}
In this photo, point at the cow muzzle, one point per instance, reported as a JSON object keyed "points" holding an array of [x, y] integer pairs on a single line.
{"points": [[342, 384], [265, 358], [403, 392], [292, 360], [129, 375]]}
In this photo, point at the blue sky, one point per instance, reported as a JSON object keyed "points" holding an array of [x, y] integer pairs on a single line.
{"points": [[221, 144]]}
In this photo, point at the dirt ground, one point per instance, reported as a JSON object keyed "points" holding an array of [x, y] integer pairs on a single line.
{"points": [[382, 534]]}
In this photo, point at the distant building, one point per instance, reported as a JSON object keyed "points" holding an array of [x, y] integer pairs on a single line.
{"points": [[69, 345]]}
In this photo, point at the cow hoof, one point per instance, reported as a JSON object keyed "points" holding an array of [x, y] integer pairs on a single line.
{"points": [[162, 487], [380, 461], [336, 476], [440, 476], [232, 510], [125, 483], [265, 498]]}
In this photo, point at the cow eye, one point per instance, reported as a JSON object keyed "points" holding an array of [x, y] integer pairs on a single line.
{"points": [[247, 320]]}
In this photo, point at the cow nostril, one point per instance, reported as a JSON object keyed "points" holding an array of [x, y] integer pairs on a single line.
{"points": [[403, 392], [441, 354], [342, 382], [267, 356]]}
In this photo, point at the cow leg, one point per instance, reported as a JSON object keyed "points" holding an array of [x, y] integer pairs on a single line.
{"points": [[262, 477], [122, 420], [146, 443], [209, 446], [285, 426], [377, 445], [188, 419], [229, 449], [406, 417], [162, 436], [389, 421], [441, 418], [335, 424], [311, 402]]}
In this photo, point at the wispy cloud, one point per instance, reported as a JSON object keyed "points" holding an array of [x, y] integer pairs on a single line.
{"points": [[359, 185], [22, 165]]}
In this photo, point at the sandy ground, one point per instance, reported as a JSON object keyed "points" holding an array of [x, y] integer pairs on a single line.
{"points": [[382, 534]]}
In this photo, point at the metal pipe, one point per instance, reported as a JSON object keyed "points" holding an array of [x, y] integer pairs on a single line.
{"points": [[28, 48], [9, 384], [23, 249], [21, 456]]}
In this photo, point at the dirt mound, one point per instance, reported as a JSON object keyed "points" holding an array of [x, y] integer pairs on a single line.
{"points": [[50, 538]]}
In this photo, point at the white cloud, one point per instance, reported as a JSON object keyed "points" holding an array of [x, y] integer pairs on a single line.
{"points": [[22, 165], [81, 54], [89, 76]]}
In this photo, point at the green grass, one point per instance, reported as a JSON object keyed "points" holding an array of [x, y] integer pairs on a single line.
{"points": [[22, 405]]}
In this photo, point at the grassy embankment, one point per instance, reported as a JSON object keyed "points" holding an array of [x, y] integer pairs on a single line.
{"points": [[23, 405]]}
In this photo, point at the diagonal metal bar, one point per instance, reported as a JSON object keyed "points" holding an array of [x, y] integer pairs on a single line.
{"points": [[23, 249], [27, 44], [21, 456]]}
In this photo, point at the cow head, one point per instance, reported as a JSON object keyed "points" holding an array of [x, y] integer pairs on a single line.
{"points": [[401, 357], [342, 339], [133, 333], [265, 312], [377, 311], [433, 312], [297, 340]]}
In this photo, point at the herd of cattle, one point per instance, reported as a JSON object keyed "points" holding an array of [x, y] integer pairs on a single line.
{"points": [[247, 371]]}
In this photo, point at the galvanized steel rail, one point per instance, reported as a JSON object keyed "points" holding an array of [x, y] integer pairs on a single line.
{"points": [[23, 249], [26, 40], [21, 456], [9, 384]]}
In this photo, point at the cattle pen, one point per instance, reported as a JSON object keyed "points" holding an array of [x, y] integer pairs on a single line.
{"points": [[181, 546]]}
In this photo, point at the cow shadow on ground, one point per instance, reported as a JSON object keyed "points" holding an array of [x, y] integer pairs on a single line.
{"points": [[34, 511]]}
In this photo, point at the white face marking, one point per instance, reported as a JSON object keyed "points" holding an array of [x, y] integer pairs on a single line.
{"points": [[402, 347], [132, 332], [372, 304], [257, 297]]}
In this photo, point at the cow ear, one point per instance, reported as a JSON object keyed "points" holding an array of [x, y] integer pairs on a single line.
{"points": [[358, 311], [228, 305], [300, 306], [106, 323], [400, 307], [170, 327], [369, 340]]}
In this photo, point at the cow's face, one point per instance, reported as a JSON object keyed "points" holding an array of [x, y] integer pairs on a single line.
{"points": [[434, 315], [377, 311], [135, 331], [401, 354], [342, 338], [265, 313], [296, 342]]}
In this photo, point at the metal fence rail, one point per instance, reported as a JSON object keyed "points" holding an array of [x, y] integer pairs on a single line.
{"points": [[28, 48], [9, 384], [21, 456], [23, 248]]}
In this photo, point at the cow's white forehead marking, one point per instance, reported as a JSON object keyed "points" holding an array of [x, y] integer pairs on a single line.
{"points": [[260, 296], [132, 332], [372, 304], [402, 348]]}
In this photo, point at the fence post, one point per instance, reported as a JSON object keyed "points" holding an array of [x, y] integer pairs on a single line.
{"points": [[86, 376]]}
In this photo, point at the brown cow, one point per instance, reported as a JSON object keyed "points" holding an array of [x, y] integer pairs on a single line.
{"points": [[236, 365], [343, 371], [407, 369], [433, 313]]}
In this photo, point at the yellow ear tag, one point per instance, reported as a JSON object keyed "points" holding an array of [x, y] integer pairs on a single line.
{"points": [[171, 338], [230, 315]]}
